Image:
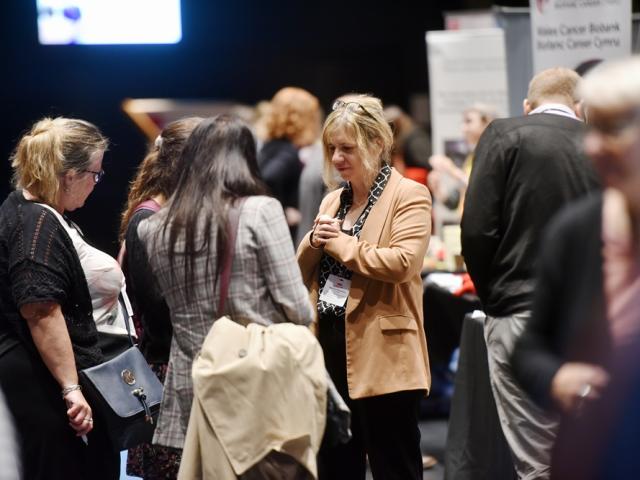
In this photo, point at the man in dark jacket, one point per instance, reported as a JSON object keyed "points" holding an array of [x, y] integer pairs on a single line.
{"points": [[525, 169], [579, 352]]}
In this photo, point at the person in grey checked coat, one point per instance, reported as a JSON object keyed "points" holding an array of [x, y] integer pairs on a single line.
{"points": [[186, 241]]}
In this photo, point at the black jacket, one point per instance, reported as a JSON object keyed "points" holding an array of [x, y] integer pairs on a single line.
{"points": [[569, 324], [568, 319], [148, 302], [525, 169], [280, 168]]}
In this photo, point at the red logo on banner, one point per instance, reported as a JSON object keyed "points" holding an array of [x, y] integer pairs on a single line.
{"points": [[540, 4]]}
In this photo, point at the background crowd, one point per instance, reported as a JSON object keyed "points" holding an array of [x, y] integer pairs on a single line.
{"points": [[325, 224]]}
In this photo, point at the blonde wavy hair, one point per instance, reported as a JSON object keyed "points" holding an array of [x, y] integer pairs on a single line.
{"points": [[50, 149], [613, 85], [293, 114], [361, 117]]}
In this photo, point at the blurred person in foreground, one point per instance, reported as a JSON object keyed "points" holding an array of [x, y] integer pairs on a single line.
{"points": [[579, 353], [186, 243], [362, 264], [154, 183], [47, 327], [292, 122], [525, 169]]}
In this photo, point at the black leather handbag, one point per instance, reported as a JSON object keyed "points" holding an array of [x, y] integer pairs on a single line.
{"points": [[338, 427], [126, 394]]}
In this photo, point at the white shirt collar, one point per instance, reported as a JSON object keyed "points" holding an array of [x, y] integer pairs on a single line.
{"points": [[555, 109]]}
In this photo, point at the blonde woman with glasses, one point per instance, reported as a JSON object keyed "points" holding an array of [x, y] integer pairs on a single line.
{"points": [[361, 264], [47, 309]]}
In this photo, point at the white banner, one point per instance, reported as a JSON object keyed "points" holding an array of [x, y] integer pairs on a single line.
{"points": [[568, 32], [465, 67]]}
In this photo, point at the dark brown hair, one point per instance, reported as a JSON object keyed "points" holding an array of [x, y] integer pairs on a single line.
{"points": [[217, 166], [157, 173]]}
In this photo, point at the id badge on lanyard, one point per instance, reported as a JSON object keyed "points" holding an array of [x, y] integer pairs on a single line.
{"points": [[336, 290]]}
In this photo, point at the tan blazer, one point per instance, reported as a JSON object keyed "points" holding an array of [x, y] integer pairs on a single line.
{"points": [[386, 342]]}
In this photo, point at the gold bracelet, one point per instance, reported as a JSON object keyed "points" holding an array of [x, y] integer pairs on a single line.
{"points": [[69, 389]]}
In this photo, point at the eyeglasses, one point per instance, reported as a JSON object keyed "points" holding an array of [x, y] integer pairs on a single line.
{"points": [[342, 104], [97, 176]]}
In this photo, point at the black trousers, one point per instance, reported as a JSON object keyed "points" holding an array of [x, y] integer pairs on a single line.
{"points": [[385, 427], [49, 447]]}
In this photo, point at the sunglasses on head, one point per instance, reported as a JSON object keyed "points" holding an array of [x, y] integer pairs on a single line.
{"points": [[339, 104]]}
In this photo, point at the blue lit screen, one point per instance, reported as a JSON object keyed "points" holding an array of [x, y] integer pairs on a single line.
{"points": [[108, 22]]}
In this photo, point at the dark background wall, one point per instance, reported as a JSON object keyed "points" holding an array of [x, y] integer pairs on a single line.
{"points": [[241, 50]]}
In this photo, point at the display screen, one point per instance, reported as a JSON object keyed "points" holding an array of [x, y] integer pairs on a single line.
{"points": [[108, 22]]}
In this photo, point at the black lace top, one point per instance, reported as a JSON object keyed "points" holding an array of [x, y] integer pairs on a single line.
{"points": [[38, 263], [328, 264]]}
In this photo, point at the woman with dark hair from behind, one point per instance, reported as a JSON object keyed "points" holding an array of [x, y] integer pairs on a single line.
{"points": [[154, 183], [186, 240]]}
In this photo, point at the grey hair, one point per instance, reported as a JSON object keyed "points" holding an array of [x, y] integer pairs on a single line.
{"points": [[613, 85]]}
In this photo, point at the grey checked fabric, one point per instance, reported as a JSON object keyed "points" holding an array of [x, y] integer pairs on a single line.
{"points": [[328, 264], [265, 287]]}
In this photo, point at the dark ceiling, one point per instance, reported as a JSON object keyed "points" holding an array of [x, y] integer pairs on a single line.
{"points": [[242, 51]]}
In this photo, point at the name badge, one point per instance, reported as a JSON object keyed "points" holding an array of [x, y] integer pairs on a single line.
{"points": [[336, 290]]}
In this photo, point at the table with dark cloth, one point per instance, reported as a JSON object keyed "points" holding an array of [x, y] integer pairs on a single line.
{"points": [[476, 448], [443, 316]]}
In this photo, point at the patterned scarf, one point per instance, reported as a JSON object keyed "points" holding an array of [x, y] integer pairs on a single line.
{"points": [[328, 264]]}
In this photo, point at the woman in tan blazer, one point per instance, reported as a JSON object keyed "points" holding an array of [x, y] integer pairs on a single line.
{"points": [[362, 263]]}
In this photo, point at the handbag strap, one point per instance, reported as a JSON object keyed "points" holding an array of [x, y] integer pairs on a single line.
{"points": [[128, 314], [232, 232], [122, 298], [150, 204]]}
